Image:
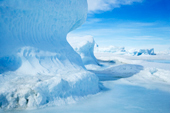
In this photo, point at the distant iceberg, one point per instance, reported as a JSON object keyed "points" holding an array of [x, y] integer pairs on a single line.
{"points": [[141, 52], [123, 51], [37, 65]]}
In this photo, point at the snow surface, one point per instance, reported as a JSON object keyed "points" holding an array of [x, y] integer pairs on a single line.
{"points": [[146, 89], [138, 70], [37, 65], [39, 68], [166, 52]]}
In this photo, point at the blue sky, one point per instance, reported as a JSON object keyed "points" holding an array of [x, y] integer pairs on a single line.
{"points": [[128, 23]]}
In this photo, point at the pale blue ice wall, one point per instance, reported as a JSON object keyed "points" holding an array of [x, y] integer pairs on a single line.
{"points": [[42, 24], [37, 65]]}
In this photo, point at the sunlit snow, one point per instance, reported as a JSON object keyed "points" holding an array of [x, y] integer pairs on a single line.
{"points": [[42, 71]]}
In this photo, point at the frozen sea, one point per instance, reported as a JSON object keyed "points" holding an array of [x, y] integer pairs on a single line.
{"points": [[138, 85], [117, 99], [160, 61]]}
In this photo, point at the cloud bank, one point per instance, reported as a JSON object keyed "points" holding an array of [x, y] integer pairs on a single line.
{"points": [[106, 5]]}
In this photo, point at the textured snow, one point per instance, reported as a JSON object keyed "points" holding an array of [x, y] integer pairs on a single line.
{"points": [[136, 70], [39, 68], [84, 46], [146, 88], [37, 65], [40, 24]]}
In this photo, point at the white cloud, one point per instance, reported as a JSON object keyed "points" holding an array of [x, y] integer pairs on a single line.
{"points": [[93, 20], [105, 5]]}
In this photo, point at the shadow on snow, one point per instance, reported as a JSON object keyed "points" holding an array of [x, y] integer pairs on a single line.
{"points": [[115, 72]]}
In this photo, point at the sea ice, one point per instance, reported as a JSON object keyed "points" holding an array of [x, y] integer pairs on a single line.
{"points": [[150, 75]]}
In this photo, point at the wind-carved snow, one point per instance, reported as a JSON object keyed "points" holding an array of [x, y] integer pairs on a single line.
{"points": [[37, 65], [84, 46]]}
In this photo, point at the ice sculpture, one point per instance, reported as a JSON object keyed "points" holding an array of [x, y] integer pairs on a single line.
{"points": [[37, 65]]}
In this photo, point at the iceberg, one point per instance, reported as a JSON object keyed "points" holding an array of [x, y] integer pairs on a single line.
{"points": [[142, 52], [84, 46], [123, 51], [37, 64]]}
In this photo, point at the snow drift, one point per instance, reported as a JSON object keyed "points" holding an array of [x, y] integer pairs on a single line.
{"points": [[84, 46], [37, 65]]}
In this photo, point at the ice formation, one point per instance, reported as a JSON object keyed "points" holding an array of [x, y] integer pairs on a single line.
{"points": [[123, 51], [142, 51], [84, 46], [37, 65]]}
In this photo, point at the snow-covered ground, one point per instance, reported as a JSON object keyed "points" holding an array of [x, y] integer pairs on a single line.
{"points": [[140, 71], [41, 72], [130, 84]]}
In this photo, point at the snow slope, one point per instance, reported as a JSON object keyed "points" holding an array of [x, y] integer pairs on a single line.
{"points": [[37, 65]]}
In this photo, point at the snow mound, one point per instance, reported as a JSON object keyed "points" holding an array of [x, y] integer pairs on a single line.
{"points": [[28, 91], [37, 65], [84, 46]]}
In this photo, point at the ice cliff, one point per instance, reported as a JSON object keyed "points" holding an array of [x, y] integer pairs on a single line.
{"points": [[37, 65]]}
